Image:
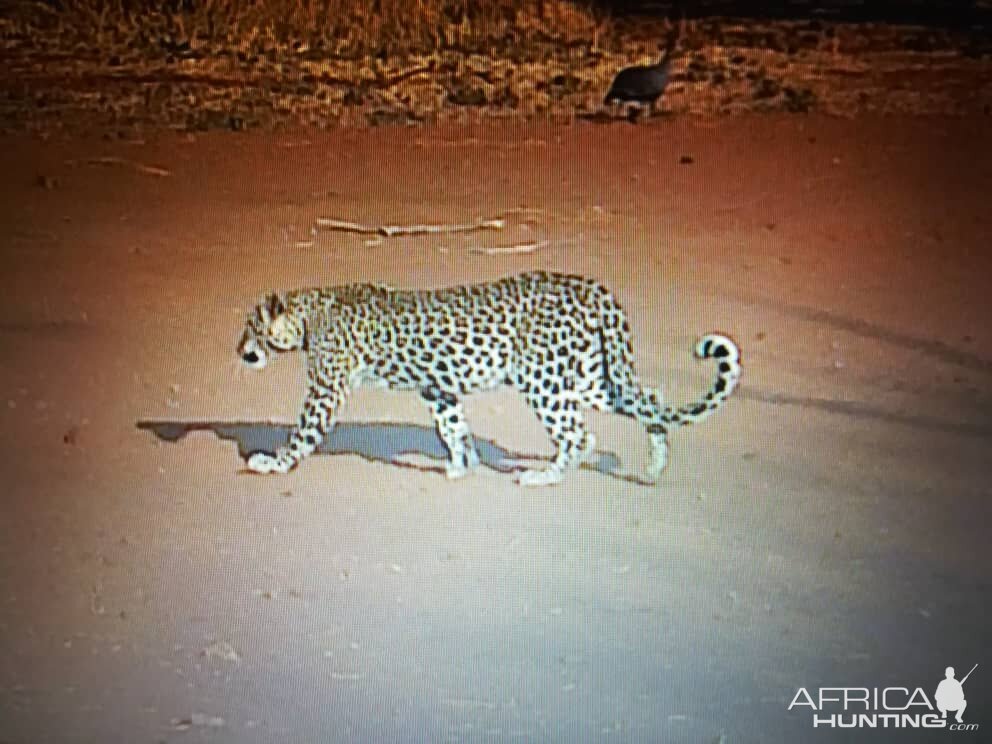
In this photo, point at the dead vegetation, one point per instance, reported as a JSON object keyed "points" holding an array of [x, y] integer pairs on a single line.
{"points": [[316, 28], [235, 64]]}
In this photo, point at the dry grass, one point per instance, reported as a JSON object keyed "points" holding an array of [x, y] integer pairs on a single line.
{"points": [[205, 64], [345, 28]]}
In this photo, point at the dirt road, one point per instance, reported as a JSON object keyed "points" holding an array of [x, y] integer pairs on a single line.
{"points": [[829, 528]]}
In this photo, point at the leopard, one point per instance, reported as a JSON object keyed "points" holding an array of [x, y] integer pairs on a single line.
{"points": [[563, 341]]}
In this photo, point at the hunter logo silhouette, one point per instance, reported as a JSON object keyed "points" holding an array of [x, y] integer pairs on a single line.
{"points": [[950, 693]]}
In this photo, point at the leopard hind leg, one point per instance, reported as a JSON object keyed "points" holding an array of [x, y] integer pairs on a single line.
{"points": [[563, 421], [644, 405]]}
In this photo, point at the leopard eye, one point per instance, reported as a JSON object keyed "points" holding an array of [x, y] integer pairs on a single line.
{"points": [[283, 334]]}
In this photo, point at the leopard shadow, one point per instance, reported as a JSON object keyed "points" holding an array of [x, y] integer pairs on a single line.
{"points": [[378, 442]]}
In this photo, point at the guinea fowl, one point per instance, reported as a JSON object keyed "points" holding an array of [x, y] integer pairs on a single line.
{"points": [[641, 85]]}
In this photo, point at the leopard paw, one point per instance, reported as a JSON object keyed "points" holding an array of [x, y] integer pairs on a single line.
{"points": [[264, 464], [547, 477]]}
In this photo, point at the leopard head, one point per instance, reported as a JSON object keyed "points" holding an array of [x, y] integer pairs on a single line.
{"points": [[270, 327]]}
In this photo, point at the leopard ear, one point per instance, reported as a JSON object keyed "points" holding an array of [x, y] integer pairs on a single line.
{"points": [[275, 305]]}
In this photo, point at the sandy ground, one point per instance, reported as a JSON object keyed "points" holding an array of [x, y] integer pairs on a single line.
{"points": [[830, 527]]}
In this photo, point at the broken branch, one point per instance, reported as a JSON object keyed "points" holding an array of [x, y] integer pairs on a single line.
{"points": [[389, 231], [500, 250]]}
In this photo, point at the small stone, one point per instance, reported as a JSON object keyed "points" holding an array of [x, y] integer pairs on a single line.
{"points": [[221, 650]]}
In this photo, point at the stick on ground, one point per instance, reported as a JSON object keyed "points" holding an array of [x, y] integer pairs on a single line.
{"points": [[151, 170], [501, 250], [330, 223]]}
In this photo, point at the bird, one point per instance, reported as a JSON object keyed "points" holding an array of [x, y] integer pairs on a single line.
{"points": [[641, 85]]}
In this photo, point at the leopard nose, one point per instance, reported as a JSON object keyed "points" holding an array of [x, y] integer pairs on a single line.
{"points": [[251, 357]]}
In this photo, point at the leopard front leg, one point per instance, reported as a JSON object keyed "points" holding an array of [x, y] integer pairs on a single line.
{"points": [[316, 420], [449, 417]]}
